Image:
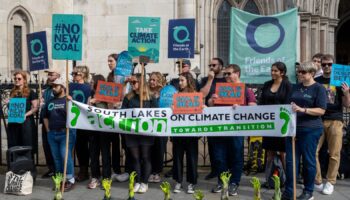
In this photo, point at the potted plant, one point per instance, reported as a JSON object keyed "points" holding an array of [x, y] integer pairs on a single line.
{"points": [[131, 186], [106, 184], [57, 179]]}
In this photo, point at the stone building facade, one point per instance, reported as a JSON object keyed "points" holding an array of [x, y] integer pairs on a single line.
{"points": [[322, 26]]}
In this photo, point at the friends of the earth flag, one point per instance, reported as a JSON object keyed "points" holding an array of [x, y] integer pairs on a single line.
{"points": [[37, 51], [67, 36], [144, 36], [257, 42], [181, 38]]}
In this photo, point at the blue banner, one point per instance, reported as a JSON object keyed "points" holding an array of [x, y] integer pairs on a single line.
{"points": [[37, 51], [166, 96], [124, 64], [181, 38], [258, 41], [67, 33], [17, 110], [340, 74]]}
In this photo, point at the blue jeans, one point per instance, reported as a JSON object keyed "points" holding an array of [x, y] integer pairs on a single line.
{"points": [[305, 147], [228, 155], [57, 141]]}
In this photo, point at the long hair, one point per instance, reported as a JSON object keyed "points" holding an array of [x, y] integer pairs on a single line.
{"points": [[146, 90], [110, 77], [96, 78], [191, 82], [282, 68], [17, 91], [84, 70], [161, 82]]}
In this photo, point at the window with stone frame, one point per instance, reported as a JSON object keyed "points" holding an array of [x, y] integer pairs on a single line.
{"points": [[17, 47]]}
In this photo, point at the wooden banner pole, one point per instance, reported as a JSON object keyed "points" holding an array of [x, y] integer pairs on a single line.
{"points": [[142, 83], [67, 134], [294, 170], [180, 66]]}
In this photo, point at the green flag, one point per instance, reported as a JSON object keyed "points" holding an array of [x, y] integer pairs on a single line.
{"points": [[257, 42]]}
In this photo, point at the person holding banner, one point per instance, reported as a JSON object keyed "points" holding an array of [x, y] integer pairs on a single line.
{"points": [[23, 134], [52, 75], [208, 85], [229, 151], [55, 116], [156, 83], [140, 146], [80, 91], [308, 100], [274, 92], [337, 97], [117, 175], [188, 145]]}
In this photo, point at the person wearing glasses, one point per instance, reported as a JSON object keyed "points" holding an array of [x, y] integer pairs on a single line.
{"points": [[308, 100], [139, 146], [23, 134], [80, 90], [337, 97], [316, 59], [208, 85], [229, 151]]}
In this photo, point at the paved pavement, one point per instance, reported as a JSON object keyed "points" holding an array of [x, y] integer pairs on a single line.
{"points": [[42, 191]]}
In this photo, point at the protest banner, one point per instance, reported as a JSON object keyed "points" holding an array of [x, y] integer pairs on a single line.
{"points": [[67, 36], [108, 92], [37, 51], [124, 67], [166, 96], [270, 120], [181, 38], [17, 110], [230, 93], [340, 74], [256, 42], [188, 103], [143, 38]]}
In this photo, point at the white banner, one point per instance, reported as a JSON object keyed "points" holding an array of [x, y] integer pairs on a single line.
{"points": [[273, 120]]}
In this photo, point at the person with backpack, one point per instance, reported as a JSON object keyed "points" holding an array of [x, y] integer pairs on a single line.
{"points": [[229, 151], [275, 91]]}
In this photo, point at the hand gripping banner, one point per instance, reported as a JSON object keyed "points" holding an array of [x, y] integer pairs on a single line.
{"points": [[271, 120]]}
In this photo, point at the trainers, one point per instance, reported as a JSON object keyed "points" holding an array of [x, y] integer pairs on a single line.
{"points": [[151, 178], [318, 187], [156, 178], [190, 189], [305, 196], [328, 189], [217, 189], [232, 189], [177, 188], [137, 187], [93, 183], [143, 188], [122, 177]]}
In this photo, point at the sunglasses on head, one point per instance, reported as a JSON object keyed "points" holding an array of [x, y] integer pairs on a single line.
{"points": [[326, 64], [212, 65], [302, 72]]}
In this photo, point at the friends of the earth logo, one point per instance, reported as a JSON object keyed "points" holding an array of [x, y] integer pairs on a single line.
{"points": [[285, 115]]}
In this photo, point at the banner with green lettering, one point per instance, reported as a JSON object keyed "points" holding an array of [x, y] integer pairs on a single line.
{"points": [[257, 42], [271, 120]]}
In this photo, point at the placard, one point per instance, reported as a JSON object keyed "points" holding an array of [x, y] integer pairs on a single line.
{"points": [[37, 51], [181, 38], [17, 110], [230, 93], [188, 103], [340, 74], [166, 96], [109, 92]]}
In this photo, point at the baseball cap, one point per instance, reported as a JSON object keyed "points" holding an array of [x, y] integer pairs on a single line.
{"points": [[60, 81], [53, 70], [184, 62]]}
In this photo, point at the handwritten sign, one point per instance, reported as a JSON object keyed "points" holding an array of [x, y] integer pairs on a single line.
{"points": [[188, 103], [109, 92], [37, 51], [230, 93], [340, 74], [166, 96], [17, 110], [67, 33]]}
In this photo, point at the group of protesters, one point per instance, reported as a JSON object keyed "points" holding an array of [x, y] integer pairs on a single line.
{"points": [[319, 120]]}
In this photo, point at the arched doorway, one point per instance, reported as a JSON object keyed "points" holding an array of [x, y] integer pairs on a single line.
{"points": [[342, 33]]}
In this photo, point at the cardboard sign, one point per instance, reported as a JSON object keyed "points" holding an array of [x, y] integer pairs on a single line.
{"points": [[340, 74], [17, 110], [230, 93], [109, 92], [181, 38], [144, 37], [37, 51], [166, 96], [67, 34], [188, 103]]}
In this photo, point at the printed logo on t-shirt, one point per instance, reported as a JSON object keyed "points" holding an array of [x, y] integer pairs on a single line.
{"points": [[331, 93]]}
